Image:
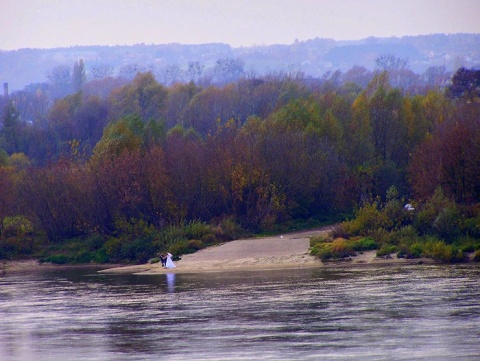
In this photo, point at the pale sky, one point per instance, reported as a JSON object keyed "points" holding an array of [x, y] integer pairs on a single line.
{"points": [[59, 23]]}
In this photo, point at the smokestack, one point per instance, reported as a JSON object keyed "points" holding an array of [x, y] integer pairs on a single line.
{"points": [[5, 89]]}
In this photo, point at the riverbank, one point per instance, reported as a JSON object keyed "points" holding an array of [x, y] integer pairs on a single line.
{"points": [[267, 253], [287, 251], [30, 266]]}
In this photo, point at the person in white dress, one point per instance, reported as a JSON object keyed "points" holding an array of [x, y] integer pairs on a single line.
{"points": [[169, 263]]}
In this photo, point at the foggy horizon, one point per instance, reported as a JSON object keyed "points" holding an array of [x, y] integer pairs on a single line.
{"points": [[47, 24]]}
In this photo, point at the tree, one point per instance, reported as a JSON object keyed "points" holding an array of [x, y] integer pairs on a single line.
{"points": [[449, 158], [436, 77], [171, 74], [465, 85], [228, 70], [55, 199], [144, 96], [10, 133], [100, 71], [61, 81], [387, 62], [78, 75], [125, 135], [194, 70], [358, 75], [8, 199], [178, 99]]}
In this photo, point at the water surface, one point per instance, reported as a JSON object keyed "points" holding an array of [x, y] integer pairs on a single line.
{"points": [[366, 313]]}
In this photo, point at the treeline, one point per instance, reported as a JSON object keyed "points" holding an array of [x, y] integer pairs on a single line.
{"points": [[123, 167]]}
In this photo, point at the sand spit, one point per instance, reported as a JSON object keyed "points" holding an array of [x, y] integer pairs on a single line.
{"points": [[267, 253]]}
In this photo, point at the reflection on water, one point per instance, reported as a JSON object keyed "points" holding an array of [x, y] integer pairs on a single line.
{"points": [[170, 282], [384, 313]]}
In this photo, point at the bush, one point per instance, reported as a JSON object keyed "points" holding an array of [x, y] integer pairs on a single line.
{"points": [[197, 230], [381, 236], [367, 220], [18, 246], [428, 213], [472, 227], [179, 248], [319, 239], [326, 249], [365, 244], [341, 248], [446, 224], [209, 239], [56, 259], [195, 245], [385, 250], [440, 251], [322, 251], [476, 256], [229, 230]]}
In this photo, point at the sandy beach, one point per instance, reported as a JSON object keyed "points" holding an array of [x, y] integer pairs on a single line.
{"points": [[276, 252]]}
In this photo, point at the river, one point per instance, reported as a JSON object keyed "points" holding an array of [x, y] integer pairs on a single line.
{"points": [[424, 312]]}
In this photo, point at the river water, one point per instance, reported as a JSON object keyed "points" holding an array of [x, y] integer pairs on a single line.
{"points": [[367, 313]]}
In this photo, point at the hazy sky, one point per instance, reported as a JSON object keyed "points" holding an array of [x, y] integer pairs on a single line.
{"points": [[58, 23]]}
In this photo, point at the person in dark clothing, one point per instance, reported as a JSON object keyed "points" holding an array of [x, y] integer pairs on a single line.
{"points": [[163, 259]]}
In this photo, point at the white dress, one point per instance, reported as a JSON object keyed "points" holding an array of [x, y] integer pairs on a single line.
{"points": [[170, 263]]}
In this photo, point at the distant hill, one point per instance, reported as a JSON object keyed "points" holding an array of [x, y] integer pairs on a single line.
{"points": [[171, 62]]}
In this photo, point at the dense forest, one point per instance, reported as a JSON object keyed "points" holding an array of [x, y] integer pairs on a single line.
{"points": [[118, 169]]}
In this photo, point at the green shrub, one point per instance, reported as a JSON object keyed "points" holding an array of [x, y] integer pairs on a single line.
{"points": [[406, 235], [209, 239], [197, 230], [467, 244], [395, 214], [322, 251], [367, 220], [195, 245], [56, 259], [336, 249], [172, 234], [17, 225], [100, 256], [229, 230], [440, 251], [180, 247], [415, 250], [472, 227], [385, 250], [341, 248], [365, 244], [428, 213], [381, 236], [446, 224], [319, 239]]}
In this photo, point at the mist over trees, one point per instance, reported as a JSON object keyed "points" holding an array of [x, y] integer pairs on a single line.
{"points": [[100, 157]]}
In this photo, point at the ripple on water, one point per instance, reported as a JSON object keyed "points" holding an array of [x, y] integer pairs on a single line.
{"points": [[375, 313]]}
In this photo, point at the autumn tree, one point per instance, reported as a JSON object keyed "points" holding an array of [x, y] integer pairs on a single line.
{"points": [[55, 200], [190, 174], [78, 75], [177, 102], [129, 133], [465, 85], [144, 96], [449, 158]]}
